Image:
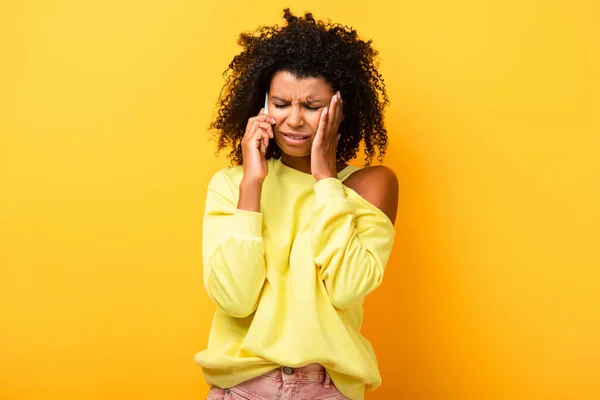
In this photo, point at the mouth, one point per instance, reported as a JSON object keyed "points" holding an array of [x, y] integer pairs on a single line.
{"points": [[293, 138]]}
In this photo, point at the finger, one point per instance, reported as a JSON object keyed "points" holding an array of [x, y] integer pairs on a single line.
{"points": [[249, 130], [264, 118], [253, 124], [333, 106], [267, 127], [340, 115], [260, 133], [322, 122], [336, 112], [263, 139]]}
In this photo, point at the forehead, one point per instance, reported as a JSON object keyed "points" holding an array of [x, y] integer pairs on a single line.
{"points": [[286, 84]]}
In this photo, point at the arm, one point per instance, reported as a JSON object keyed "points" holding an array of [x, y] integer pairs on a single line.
{"points": [[232, 244], [232, 250], [352, 244]]}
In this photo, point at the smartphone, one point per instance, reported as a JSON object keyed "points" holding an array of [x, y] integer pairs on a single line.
{"points": [[263, 149]]}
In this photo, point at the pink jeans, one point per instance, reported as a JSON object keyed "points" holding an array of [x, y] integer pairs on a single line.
{"points": [[311, 382]]}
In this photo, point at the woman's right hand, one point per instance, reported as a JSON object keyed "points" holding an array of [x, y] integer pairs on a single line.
{"points": [[258, 130]]}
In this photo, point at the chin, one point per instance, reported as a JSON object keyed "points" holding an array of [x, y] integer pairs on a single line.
{"points": [[296, 151]]}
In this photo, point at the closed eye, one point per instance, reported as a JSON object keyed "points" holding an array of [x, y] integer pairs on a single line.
{"points": [[307, 107]]}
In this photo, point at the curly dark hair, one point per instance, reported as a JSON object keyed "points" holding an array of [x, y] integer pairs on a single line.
{"points": [[306, 48]]}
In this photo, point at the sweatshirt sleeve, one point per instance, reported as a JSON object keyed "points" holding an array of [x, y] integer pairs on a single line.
{"points": [[351, 243], [232, 250]]}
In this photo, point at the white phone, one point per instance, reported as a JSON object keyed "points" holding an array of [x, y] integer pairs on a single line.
{"points": [[263, 149]]}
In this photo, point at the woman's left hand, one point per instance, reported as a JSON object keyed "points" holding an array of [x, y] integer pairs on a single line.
{"points": [[323, 161]]}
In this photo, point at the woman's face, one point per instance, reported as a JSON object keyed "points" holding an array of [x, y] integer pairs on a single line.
{"points": [[296, 105]]}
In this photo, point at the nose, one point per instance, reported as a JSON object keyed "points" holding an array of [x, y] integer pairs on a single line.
{"points": [[295, 119]]}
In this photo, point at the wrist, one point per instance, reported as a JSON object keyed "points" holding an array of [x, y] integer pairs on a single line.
{"points": [[250, 194], [319, 177], [328, 172], [250, 182]]}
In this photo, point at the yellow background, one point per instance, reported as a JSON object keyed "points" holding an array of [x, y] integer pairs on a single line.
{"points": [[493, 291]]}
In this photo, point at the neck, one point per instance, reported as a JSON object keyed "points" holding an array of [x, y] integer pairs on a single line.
{"points": [[302, 164]]}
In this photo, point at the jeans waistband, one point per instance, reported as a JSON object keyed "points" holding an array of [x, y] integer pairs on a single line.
{"points": [[307, 373]]}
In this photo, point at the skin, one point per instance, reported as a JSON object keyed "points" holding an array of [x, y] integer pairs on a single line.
{"points": [[307, 107]]}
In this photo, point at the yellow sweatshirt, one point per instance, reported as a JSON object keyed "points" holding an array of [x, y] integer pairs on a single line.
{"points": [[289, 282]]}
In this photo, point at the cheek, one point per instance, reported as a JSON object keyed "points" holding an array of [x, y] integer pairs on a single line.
{"points": [[312, 119], [278, 115]]}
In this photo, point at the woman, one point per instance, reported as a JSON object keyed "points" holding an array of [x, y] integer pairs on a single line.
{"points": [[294, 238]]}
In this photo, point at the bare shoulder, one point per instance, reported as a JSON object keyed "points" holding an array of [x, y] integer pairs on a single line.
{"points": [[379, 186]]}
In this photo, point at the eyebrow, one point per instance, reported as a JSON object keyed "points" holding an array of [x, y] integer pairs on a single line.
{"points": [[309, 101]]}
